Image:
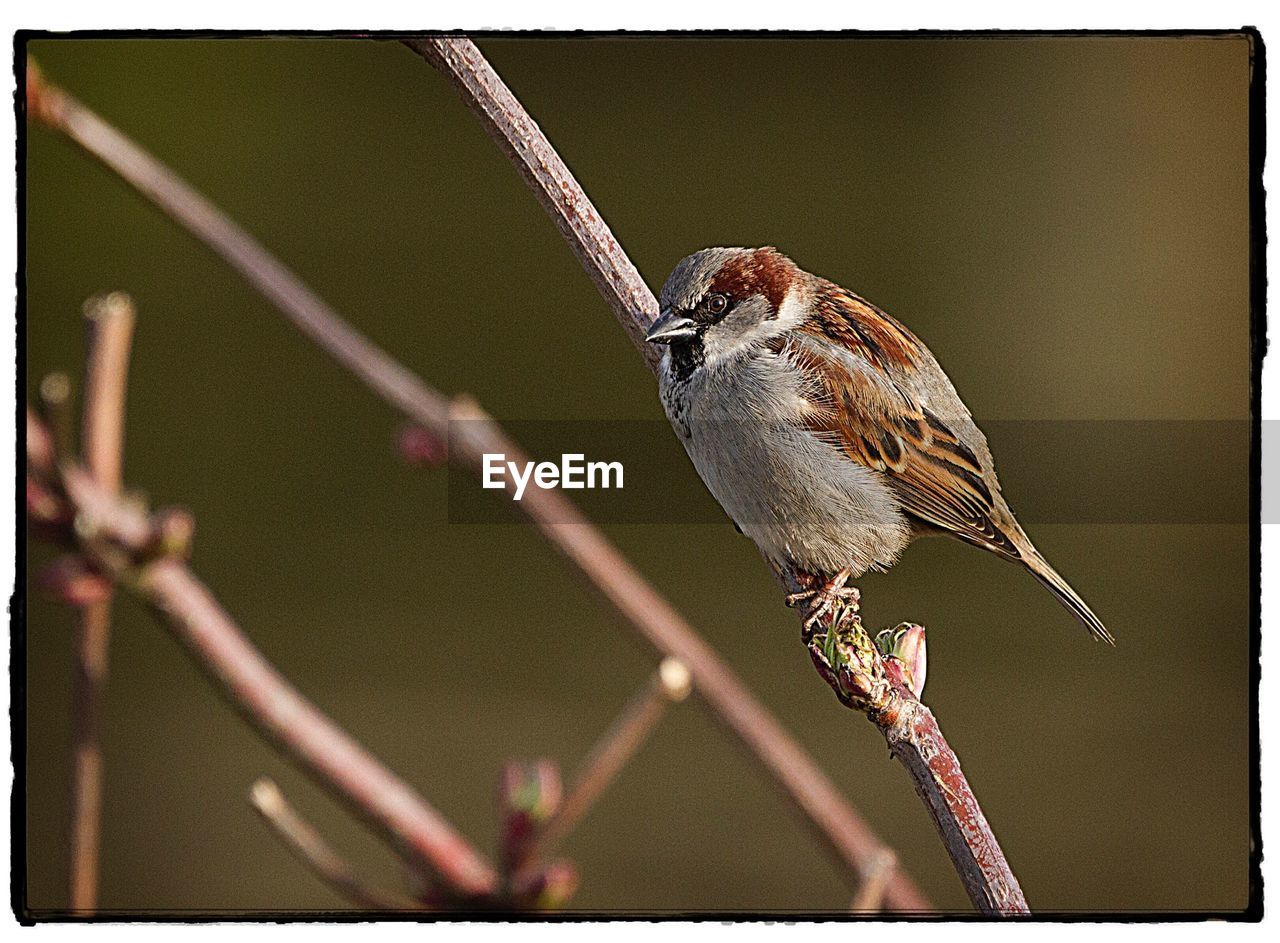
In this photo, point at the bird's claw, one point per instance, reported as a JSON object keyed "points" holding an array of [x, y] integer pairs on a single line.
{"points": [[822, 600]]}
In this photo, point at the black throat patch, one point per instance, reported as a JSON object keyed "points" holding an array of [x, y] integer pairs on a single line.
{"points": [[686, 358]]}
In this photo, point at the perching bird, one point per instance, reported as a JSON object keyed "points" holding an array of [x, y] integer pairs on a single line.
{"points": [[826, 430]]}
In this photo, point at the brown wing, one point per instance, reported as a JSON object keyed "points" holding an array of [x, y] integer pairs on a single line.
{"points": [[877, 423]]}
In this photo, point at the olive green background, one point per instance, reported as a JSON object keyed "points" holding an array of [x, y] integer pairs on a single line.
{"points": [[1063, 220]]}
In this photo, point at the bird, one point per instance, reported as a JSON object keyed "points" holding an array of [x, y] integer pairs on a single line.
{"points": [[826, 430]]}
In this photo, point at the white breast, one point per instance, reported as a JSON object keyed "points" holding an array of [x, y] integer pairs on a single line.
{"points": [[800, 499]]}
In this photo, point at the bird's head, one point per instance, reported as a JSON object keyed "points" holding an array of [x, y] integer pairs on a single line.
{"points": [[724, 302]]}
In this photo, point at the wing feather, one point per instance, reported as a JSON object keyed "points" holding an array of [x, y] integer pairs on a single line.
{"points": [[879, 424]]}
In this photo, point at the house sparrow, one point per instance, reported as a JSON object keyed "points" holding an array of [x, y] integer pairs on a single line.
{"points": [[825, 428]]}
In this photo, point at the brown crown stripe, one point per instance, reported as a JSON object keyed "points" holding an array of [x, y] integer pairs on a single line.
{"points": [[764, 272]]}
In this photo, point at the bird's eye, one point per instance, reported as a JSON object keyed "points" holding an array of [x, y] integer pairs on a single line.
{"points": [[717, 304]]}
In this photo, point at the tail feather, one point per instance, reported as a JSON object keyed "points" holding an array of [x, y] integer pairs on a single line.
{"points": [[1048, 576]]}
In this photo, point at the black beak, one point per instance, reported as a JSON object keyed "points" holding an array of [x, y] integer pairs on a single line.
{"points": [[670, 328]]}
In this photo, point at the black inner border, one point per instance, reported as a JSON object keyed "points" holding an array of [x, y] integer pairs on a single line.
{"points": [[1258, 345]]}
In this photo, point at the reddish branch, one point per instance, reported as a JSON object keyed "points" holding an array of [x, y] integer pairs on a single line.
{"points": [[309, 846], [308, 735], [560, 194], [918, 743], [109, 321], [656, 620], [143, 550], [669, 684], [55, 408], [391, 380], [863, 680]]}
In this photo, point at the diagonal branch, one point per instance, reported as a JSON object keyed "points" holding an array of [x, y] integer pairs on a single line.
{"points": [[850, 662], [305, 733], [785, 761], [160, 185], [309, 846], [964, 830], [520, 138], [668, 685], [109, 320], [870, 896], [138, 550]]}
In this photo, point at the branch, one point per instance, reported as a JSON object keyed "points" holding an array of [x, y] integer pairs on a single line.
{"points": [[309, 846], [520, 138], [55, 410], [138, 550], [968, 838], [863, 680], [475, 434], [157, 183], [109, 320], [306, 734], [794, 771], [669, 684], [870, 896], [41, 454]]}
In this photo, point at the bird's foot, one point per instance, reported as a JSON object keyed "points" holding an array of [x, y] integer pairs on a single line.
{"points": [[822, 601]]}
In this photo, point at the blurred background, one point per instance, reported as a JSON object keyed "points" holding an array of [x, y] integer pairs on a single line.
{"points": [[1063, 220]]}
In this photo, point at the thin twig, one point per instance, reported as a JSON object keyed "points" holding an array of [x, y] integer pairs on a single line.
{"points": [[474, 435], [41, 454], [306, 734], [794, 771], [123, 541], [309, 846], [669, 684], [164, 188], [109, 320], [870, 896], [55, 409], [848, 660]]}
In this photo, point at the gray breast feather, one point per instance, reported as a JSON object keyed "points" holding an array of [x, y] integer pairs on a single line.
{"points": [[800, 499]]}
